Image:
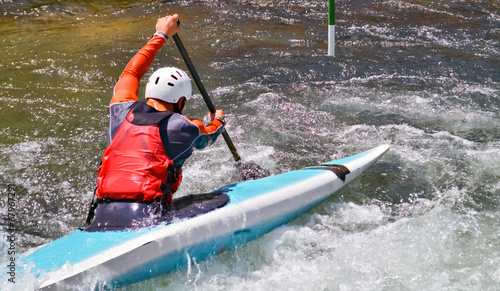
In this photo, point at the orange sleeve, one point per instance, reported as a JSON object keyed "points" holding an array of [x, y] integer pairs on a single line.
{"points": [[209, 128], [127, 88]]}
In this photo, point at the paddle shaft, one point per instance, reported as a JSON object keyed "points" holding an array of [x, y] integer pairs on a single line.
{"points": [[204, 93]]}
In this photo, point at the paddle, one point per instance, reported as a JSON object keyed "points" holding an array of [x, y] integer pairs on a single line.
{"points": [[248, 170]]}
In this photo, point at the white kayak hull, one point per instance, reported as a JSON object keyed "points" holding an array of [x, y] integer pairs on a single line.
{"points": [[117, 258]]}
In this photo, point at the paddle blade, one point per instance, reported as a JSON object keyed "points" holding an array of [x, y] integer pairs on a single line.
{"points": [[252, 171]]}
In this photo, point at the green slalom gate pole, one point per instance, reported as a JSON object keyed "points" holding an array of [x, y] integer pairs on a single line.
{"points": [[331, 27]]}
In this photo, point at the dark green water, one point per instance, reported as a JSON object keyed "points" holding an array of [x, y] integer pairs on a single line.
{"points": [[421, 76]]}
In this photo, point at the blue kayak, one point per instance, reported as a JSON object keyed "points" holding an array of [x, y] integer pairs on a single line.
{"points": [[113, 258]]}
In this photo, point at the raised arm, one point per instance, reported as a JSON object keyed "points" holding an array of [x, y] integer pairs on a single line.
{"points": [[127, 87]]}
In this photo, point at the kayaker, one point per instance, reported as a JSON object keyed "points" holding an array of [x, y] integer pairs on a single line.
{"points": [[148, 142]]}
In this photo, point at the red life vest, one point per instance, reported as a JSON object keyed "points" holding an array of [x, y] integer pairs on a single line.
{"points": [[134, 166]]}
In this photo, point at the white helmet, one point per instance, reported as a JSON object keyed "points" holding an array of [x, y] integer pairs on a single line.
{"points": [[169, 85]]}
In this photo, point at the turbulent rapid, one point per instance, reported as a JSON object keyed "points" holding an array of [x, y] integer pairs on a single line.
{"points": [[421, 76]]}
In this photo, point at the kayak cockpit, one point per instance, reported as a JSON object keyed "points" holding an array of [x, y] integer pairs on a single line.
{"points": [[112, 215]]}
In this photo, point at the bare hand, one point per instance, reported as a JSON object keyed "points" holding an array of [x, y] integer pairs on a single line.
{"points": [[218, 113], [168, 25]]}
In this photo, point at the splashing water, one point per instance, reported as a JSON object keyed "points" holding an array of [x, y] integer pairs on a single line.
{"points": [[421, 76]]}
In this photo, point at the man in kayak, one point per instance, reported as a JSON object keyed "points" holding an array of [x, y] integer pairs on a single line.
{"points": [[148, 142]]}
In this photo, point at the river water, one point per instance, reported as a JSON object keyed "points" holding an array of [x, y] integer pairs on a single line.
{"points": [[422, 76]]}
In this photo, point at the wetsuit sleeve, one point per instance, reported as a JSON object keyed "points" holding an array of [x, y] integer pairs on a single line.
{"points": [[206, 129], [180, 135], [127, 88], [208, 133]]}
